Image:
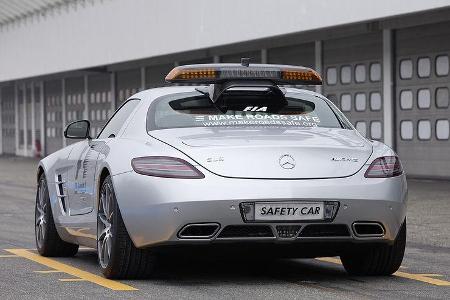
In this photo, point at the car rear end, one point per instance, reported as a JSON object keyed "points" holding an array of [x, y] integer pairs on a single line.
{"points": [[260, 164]]}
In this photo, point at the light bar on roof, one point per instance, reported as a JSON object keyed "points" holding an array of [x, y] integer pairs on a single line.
{"points": [[217, 73]]}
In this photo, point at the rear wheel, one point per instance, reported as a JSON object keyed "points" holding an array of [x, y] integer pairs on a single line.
{"points": [[48, 242], [378, 260], [117, 255]]}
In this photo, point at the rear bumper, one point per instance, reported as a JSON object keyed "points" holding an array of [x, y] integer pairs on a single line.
{"points": [[154, 210]]}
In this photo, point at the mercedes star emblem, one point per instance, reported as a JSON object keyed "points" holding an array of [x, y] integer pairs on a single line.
{"points": [[287, 162]]}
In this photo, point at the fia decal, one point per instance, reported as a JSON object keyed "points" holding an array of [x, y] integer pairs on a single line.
{"points": [[255, 108]]}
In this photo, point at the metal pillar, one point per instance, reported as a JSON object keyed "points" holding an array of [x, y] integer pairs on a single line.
{"points": [[1, 123], [216, 59], [142, 78], [33, 121], [63, 107], [86, 98], [318, 62], [264, 56], [25, 121], [16, 118], [42, 119], [388, 88], [113, 91]]}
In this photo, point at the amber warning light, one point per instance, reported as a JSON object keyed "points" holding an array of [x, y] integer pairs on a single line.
{"points": [[217, 73]]}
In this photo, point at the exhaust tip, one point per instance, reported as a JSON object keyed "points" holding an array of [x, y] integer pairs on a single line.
{"points": [[368, 229], [198, 231]]}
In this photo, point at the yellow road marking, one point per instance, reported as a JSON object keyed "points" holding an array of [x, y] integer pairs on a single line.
{"points": [[71, 279], [110, 284], [419, 277], [332, 260], [8, 255], [48, 271]]}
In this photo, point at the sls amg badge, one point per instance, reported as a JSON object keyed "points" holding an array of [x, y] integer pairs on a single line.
{"points": [[287, 162]]}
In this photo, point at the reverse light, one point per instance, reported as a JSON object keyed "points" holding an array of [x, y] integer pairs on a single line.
{"points": [[163, 166], [384, 167]]}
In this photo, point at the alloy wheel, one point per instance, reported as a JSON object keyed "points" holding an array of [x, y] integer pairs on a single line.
{"points": [[104, 224], [40, 213]]}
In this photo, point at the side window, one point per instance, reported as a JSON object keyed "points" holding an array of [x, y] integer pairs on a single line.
{"points": [[113, 126]]}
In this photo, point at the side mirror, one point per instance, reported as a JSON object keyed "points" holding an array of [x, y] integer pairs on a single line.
{"points": [[78, 130]]}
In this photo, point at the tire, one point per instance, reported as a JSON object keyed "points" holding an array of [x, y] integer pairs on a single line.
{"points": [[48, 242], [377, 261], [118, 257]]}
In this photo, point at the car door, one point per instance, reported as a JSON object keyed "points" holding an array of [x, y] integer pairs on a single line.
{"points": [[84, 160]]}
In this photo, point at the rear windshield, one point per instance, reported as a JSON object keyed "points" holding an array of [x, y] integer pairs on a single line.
{"points": [[196, 110]]}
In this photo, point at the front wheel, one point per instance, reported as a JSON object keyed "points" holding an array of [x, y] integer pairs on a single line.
{"points": [[117, 255], [377, 260], [48, 242]]}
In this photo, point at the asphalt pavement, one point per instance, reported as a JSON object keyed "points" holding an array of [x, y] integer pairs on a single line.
{"points": [[425, 273]]}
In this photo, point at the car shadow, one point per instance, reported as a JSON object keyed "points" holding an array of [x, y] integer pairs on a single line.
{"points": [[196, 270]]}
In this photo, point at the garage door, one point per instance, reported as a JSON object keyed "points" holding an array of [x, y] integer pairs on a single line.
{"points": [[128, 83], [422, 94], [255, 57], [74, 102], [53, 113], [352, 80], [100, 101], [154, 75], [297, 55], [8, 120]]}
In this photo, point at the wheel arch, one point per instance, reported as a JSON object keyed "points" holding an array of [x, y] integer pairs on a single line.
{"points": [[104, 172]]}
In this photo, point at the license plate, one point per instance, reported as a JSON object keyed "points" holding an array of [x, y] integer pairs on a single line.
{"points": [[288, 211]]}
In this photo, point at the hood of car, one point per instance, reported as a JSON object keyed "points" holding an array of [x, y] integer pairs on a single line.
{"points": [[272, 153]]}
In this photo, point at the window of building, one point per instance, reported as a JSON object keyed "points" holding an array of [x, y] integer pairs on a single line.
{"points": [[406, 130], [375, 101], [442, 129], [360, 73], [424, 98], [406, 99], [346, 74], [346, 102], [375, 130], [424, 67], [424, 130], [442, 65], [406, 69], [375, 72], [360, 102], [361, 127], [442, 98]]}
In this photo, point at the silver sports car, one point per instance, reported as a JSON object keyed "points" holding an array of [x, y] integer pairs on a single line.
{"points": [[230, 158]]}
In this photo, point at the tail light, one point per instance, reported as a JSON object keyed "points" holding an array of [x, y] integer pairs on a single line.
{"points": [[163, 166], [384, 167]]}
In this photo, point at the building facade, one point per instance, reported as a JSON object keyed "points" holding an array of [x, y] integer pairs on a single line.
{"points": [[384, 63]]}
